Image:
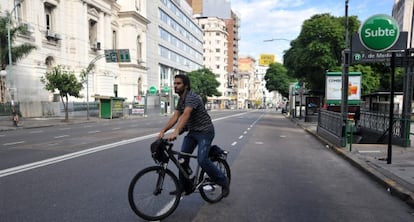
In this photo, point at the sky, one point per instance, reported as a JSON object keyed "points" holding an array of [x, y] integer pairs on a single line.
{"points": [[282, 19]]}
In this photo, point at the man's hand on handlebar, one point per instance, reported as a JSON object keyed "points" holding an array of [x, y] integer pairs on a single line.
{"points": [[161, 135], [173, 136]]}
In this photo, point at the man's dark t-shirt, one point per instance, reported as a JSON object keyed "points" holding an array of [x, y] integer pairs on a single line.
{"points": [[199, 119]]}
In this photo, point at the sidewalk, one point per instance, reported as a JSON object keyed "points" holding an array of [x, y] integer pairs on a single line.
{"points": [[397, 177], [26, 123]]}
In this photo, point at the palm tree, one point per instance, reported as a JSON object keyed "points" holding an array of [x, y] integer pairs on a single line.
{"points": [[19, 51]]}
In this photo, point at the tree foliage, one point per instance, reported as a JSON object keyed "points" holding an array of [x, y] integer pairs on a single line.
{"points": [[277, 79], [65, 82], [17, 52], [204, 83], [318, 48]]}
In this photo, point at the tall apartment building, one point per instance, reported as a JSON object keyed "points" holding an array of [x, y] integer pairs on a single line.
{"points": [[175, 42], [246, 82], [215, 54], [221, 9], [233, 25], [403, 13]]}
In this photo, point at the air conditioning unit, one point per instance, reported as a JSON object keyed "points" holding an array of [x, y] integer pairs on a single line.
{"points": [[28, 27], [50, 34], [96, 46], [57, 36]]}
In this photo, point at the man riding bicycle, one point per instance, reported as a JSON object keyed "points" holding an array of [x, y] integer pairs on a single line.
{"points": [[190, 113]]}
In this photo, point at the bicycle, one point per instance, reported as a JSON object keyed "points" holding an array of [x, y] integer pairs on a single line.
{"points": [[155, 192]]}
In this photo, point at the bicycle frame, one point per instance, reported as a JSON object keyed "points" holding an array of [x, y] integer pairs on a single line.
{"points": [[171, 156]]}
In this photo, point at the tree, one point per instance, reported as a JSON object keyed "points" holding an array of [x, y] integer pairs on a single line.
{"points": [[204, 83], [318, 48], [19, 51], [65, 82], [277, 79]]}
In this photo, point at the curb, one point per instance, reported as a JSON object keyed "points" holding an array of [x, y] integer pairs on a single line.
{"points": [[392, 186]]}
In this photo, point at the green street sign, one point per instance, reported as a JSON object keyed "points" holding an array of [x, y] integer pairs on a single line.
{"points": [[297, 85], [379, 32], [152, 90], [166, 89], [117, 55], [124, 55]]}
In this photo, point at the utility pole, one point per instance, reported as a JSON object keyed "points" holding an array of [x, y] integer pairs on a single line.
{"points": [[345, 79]]}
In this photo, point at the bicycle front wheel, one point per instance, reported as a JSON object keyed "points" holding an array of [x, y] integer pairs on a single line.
{"points": [[210, 191], [154, 193]]}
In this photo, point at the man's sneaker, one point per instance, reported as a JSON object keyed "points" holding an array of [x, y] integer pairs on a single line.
{"points": [[225, 190]]}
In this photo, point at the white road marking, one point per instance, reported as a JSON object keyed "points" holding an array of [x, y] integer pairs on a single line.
{"points": [[117, 128], [95, 131], [38, 131], [240, 137], [30, 166], [245, 132], [13, 143], [283, 136], [66, 128], [234, 143], [61, 136]]}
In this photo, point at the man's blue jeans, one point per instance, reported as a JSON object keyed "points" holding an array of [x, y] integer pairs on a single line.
{"points": [[203, 141]]}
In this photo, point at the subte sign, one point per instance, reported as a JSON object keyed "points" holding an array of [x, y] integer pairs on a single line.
{"points": [[379, 32]]}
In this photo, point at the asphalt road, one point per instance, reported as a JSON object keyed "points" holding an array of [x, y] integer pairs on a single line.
{"points": [[279, 173]]}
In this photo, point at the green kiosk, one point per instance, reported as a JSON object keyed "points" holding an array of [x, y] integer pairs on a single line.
{"points": [[110, 107]]}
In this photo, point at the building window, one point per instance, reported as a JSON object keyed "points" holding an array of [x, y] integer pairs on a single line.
{"points": [[49, 19], [49, 62], [137, 4], [21, 12], [139, 49], [163, 76], [114, 40], [93, 31]]}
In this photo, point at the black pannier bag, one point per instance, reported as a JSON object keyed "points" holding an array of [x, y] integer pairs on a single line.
{"points": [[158, 152], [216, 152]]}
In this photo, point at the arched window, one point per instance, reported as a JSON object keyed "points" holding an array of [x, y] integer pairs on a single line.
{"points": [[49, 62], [139, 49]]}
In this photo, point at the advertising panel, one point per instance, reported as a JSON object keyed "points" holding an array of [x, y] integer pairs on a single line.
{"points": [[266, 59], [334, 88]]}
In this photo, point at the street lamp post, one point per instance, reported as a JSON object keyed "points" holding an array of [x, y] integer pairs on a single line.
{"points": [[17, 4], [88, 70], [271, 40]]}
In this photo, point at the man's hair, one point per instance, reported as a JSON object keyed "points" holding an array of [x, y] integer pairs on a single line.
{"points": [[185, 79]]}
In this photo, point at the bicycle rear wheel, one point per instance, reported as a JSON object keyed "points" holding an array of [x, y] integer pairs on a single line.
{"points": [[210, 191], [154, 193]]}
